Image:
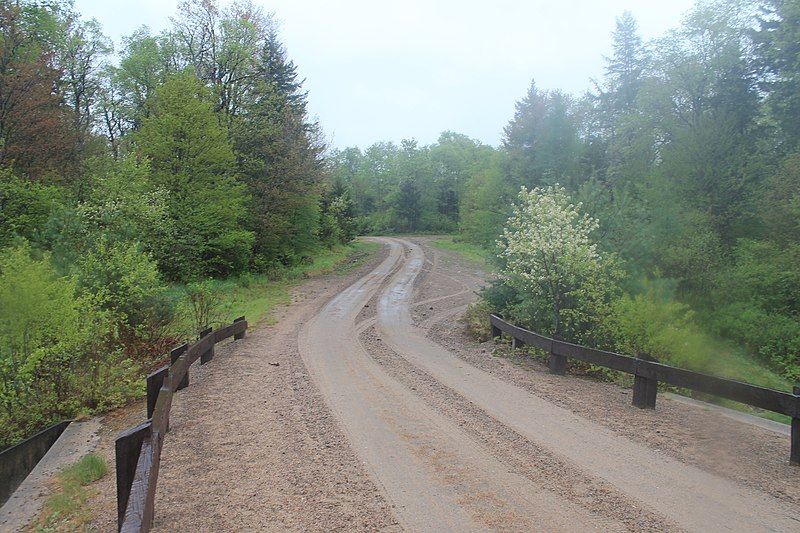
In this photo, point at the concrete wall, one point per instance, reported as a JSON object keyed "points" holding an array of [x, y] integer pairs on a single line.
{"points": [[17, 461]]}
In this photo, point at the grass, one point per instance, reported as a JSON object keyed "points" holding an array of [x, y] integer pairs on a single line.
{"points": [[255, 295], [470, 252], [65, 510]]}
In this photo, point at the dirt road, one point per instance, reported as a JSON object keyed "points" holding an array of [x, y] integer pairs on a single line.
{"points": [[365, 407], [439, 477]]}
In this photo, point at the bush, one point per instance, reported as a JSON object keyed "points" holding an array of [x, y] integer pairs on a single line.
{"points": [[646, 324], [25, 208], [205, 305], [755, 300], [125, 282], [477, 320], [563, 283], [55, 361]]}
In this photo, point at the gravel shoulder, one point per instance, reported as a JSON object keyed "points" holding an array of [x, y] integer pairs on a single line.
{"points": [[252, 445]]}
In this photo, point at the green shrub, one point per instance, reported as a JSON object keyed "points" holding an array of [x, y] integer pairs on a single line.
{"points": [[125, 282], [564, 284], [55, 360], [477, 320], [205, 305], [647, 324], [25, 208], [755, 300]]}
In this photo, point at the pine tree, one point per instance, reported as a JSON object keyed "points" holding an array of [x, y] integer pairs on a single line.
{"points": [[778, 58], [281, 155], [542, 139], [625, 67], [409, 205]]}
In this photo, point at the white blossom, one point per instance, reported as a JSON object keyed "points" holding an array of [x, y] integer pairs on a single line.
{"points": [[549, 256]]}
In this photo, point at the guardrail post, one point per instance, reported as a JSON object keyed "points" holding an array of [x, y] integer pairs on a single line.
{"points": [[127, 448], [516, 343], [154, 382], [644, 389], [242, 334], [557, 363], [174, 354], [208, 355], [794, 456], [496, 332]]}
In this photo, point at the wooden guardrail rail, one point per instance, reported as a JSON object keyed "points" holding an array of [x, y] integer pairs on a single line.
{"points": [[647, 375], [138, 449]]}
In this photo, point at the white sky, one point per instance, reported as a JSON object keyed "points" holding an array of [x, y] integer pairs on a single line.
{"points": [[378, 70]]}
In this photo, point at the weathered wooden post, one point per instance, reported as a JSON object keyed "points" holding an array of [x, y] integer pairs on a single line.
{"points": [[174, 354], [644, 388], [154, 383], [794, 455], [208, 355], [495, 330], [127, 448], [241, 334], [517, 343], [556, 362]]}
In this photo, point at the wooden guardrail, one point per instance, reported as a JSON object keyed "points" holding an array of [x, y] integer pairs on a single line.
{"points": [[138, 449], [647, 375]]}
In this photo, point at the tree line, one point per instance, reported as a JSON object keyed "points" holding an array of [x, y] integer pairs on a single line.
{"points": [[687, 155], [128, 171]]}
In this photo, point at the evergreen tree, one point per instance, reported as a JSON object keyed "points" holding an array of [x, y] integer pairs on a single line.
{"points": [[408, 206], [280, 153], [778, 58], [542, 139], [625, 67]]}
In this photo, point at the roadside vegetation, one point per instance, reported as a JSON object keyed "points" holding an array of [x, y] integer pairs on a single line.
{"points": [[148, 189], [655, 214], [65, 510]]}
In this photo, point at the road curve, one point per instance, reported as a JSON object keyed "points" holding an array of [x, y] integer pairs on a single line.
{"points": [[434, 475], [438, 478]]}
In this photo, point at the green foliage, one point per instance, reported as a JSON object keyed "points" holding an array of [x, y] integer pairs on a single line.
{"points": [[563, 284], [54, 360], [409, 188], [205, 307], [25, 208], [177, 164], [648, 325], [193, 159], [755, 303], [779, 201], [120, 205], [655, 325], [126, 283], [338, 224], [476, 319]]}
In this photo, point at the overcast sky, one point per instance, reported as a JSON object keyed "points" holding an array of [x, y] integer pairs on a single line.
{"points": [[378, 70]]}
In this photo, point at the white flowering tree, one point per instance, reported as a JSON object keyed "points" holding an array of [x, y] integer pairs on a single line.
{"points": [[562, 281]]}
